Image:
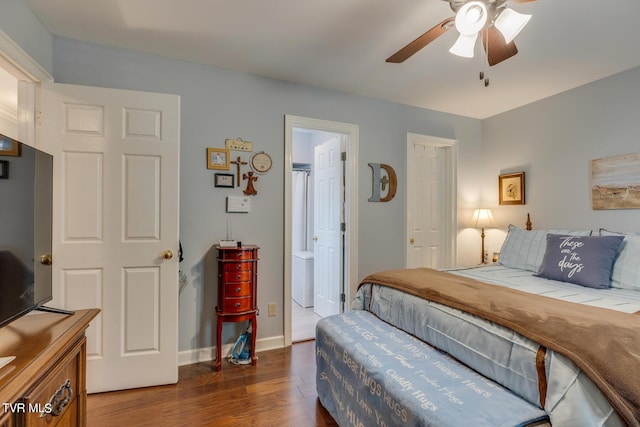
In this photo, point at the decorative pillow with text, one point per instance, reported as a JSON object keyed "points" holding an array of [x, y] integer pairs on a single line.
{"points": [[524, 249], [583, 260]]}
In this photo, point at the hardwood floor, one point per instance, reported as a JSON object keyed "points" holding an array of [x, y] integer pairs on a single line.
{"points": [[279, 391]]}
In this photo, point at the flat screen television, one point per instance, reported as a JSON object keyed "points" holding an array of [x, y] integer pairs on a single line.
{"points": [[26, 189]]}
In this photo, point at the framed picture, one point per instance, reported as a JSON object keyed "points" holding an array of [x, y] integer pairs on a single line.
{"points": [[4, 169], [8, 146], [218, 158], [511, 188], [615, 182], [224, 180]]}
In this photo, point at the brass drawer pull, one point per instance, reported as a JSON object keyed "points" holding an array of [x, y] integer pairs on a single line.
{"points": [[237, 305], [59, 400], [238, 290]]}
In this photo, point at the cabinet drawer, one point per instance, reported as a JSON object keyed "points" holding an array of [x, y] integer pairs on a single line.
{"points": [[236, 305], [237, 255], [57, 396], [234, 290], [237, 266], [237, 276]]}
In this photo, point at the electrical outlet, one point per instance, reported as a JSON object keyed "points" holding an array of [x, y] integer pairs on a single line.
{"points": [[273, 309]]}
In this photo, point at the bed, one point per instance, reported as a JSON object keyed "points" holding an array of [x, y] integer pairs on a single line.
{"points": [[553, 323]]}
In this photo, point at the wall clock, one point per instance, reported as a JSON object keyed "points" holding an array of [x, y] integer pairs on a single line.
{"points": [[261, 162]]}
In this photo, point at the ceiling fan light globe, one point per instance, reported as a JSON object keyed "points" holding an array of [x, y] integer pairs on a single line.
{"points": [[471, 18], [510, 23], [464, 46]]}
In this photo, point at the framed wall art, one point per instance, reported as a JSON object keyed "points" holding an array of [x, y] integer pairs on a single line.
{"points": [[511, 188], [615, 182], [8, 146], [224, 180], [218, 158]]}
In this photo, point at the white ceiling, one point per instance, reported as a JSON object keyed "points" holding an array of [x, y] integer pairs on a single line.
{"points": [[343, 44]]}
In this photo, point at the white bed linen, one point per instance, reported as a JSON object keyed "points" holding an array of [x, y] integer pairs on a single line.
{"points": [[626, 301], [572, 399]]}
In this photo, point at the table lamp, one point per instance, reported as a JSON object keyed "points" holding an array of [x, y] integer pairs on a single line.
{"points": [[482, 218]]}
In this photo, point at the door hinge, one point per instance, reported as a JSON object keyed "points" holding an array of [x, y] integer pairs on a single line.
{"points": [[343, 226], [343, 297], [343, 156]]}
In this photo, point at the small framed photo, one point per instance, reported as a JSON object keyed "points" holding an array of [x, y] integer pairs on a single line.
{"points": [[8, 146], [511, 188], [4, 169], [224, 180], [218, 158]]}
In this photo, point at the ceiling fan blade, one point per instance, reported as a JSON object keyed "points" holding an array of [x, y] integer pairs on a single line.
{"points": [[413, 47], [497, 50]]}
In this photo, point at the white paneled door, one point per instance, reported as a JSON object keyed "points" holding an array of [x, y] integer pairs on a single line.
{"points": [[328, 197], [116, 183], [430, 202]]}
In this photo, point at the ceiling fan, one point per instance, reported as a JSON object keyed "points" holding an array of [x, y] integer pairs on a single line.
{"points": [[491, 19]]}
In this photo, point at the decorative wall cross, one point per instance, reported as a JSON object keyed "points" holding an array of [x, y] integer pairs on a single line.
{"points": [[238, 164]]}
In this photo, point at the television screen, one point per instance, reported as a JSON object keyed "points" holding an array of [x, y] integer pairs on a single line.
{"points": [[25, 228]]}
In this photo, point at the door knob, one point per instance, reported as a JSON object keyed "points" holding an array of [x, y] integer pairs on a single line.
{"points": [[411, 240], [46, 259], [168, 254], [315, 238]]}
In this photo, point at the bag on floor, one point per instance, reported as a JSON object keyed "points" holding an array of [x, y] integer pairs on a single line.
{"points": [[241, 352]]}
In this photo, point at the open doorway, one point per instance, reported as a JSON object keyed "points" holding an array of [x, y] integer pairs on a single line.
{"points": [[317, 275], [320, 207]]}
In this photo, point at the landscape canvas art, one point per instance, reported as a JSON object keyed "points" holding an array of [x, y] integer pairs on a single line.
{"points": [[615, 182]]}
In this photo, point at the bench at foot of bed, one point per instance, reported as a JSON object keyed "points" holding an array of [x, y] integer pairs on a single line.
{"points": [[370, 373]]}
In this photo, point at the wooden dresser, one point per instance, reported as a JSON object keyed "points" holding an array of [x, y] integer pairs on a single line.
{"points": [[237, 292], [45, 385]]}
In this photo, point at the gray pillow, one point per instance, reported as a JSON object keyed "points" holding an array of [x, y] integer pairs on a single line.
{"points": [[583, 260]]}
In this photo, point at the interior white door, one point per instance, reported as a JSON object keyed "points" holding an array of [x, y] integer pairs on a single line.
{"points": [[327, 265], [116, 199], [428, 204]]}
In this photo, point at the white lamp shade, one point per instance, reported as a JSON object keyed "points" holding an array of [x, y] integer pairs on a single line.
{"points": [[464, 46], [482, 218], [471, 18], [510, 23]]}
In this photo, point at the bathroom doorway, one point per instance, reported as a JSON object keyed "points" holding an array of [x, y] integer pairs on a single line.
{"points": [[319, 205], [317, 210]]}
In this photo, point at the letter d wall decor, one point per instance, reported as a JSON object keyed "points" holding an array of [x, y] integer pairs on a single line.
{"points": [[380, 182]]}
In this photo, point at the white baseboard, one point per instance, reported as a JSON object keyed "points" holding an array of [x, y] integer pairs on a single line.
{"points": [[189, 357]]}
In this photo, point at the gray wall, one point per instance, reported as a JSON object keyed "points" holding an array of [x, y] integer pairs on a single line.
{"points": [[19, 23], [217, 104], [554, 141]]}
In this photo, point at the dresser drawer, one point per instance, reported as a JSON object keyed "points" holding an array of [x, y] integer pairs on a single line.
{"points": [[234, 290], [236, 305], [237, 266], [238, 276], [57, 396], [230, 255]]}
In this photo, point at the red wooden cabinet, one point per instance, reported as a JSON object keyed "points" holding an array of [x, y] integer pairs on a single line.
{"points": [[237, 292]]}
